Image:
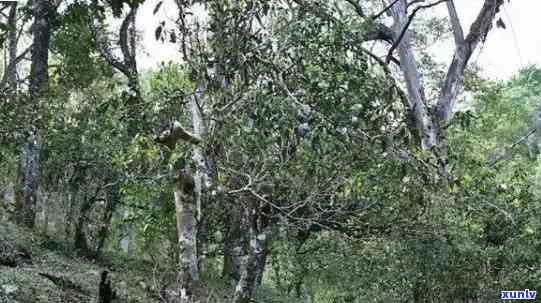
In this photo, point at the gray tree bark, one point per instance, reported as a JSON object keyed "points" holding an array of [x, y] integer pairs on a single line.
{"points": [[431, 124], [234, 243], [186, 196], [253, 262], [30, 170], [185, 204], [11, 71], [417, 99], [112, 200], [127, 64]]}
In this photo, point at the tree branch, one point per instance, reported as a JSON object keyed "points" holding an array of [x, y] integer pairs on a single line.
{"points": [[455, 24], [406, 26], [510, 148], [103, 48], [127, 41], [13, 65], [127, 65], [465, 47], [378, 32], [387, 8]]}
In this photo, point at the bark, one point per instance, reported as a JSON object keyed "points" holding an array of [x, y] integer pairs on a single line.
{"points": [[44, 200], [431, 125], [28, 180], [127, 65], [127, 234], [11, 71], [234, 243], [252, 264], [185, 204], [417, 99], [70, 196], [188, 205], [201, 176], [80, 241], [464, 49], [261, 261], [454, 79], [29, 172], [112, 200], [238, 248], [187, 193], [9, 77]]}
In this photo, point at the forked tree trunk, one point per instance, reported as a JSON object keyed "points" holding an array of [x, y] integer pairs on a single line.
{"points": [[431, 124]]}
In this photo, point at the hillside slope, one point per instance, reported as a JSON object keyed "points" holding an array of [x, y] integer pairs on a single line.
{"points": [[35, 269]]}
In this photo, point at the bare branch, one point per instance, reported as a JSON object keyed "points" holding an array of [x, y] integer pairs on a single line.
{"points": [[455, 74], [102, 46], [13, 65], [126, 65], [455, 24], [510, 148], [406, 26], [379, 32], [386, 9], [412, 2]]}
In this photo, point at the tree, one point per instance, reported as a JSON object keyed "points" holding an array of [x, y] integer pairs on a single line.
{"points": [[431, 123], [29, 166]]}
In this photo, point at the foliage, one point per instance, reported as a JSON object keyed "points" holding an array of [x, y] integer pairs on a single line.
{"points": [[307, 136]]}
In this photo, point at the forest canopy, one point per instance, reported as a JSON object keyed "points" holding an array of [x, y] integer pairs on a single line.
{"points": [[292, 151]]}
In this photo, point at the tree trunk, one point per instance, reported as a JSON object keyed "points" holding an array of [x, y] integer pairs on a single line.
{"points": [[9, 76], [185, 203], [11, 71], [234, 243], [28, 181], [80, 241], [252, 263], [69, 197], [201, 177], [113, 198], [30, 170], [238, 247], [417, 99], [44, 213]]}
